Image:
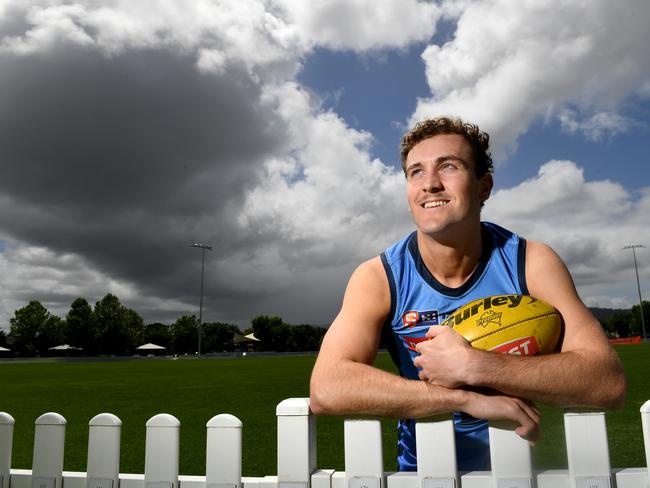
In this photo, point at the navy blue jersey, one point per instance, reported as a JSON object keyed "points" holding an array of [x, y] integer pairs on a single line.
{"points": [[419, 301]]}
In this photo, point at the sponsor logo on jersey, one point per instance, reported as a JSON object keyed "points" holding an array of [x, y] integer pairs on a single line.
{"points": [[410, 318], [511, 301], [526, 346], [413, 318]]}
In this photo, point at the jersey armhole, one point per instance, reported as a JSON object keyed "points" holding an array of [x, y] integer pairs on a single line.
{"points": [[387, 336], [392, 286], [521, 266]]}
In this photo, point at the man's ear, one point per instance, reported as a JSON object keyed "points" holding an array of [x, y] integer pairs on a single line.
{"points": [[486, 186]]}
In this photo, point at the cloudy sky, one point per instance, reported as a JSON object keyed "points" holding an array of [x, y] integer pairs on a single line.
{"points": [[269, 130]]}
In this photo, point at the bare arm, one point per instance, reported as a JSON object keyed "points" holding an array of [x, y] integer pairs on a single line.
{"points": [[586, 372], [343, 381]]}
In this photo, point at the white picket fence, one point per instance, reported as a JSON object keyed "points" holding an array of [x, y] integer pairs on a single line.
{"points": [[586, 444]]}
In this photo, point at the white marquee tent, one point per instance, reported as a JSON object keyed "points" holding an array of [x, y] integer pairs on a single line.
{"points": [[149, 346]]}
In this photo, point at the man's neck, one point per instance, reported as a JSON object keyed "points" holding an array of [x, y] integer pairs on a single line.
{"points": [[451, 261]]}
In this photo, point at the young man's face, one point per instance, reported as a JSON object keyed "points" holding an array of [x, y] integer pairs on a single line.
{"points": [[441, 184]]}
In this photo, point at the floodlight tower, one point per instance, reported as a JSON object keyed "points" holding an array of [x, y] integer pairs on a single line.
{"points": [[203, 247], [638, 286]]}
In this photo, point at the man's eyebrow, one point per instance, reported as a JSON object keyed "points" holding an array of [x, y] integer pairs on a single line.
{"points": [[439, 159]]}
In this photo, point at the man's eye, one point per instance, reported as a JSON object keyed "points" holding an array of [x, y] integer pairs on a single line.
{"points": [[448, 167], [415, 172]]}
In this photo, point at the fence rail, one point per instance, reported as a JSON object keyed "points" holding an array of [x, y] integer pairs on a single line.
{"points": [[585, 431]]}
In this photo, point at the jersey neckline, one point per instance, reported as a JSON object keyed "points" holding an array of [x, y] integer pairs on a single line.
{"points": [[426, 275]]}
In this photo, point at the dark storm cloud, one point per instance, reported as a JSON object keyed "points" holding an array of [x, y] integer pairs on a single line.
{"points": [[126, 160]]}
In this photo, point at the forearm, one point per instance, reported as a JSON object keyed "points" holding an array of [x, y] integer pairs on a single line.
{"points": [[352, 388], [572, 378]]}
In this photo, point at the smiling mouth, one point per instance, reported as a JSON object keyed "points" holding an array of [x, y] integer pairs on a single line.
{"points": [[437, 203]]}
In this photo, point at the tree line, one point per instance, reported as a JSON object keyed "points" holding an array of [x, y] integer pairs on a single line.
{"points": [[627, 323], [110, 328]]}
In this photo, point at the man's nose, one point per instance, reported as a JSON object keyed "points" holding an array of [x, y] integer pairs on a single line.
{"points": [[431, 182]]}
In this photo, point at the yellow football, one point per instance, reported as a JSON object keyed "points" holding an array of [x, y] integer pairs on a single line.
{"points": [[515, 324]]}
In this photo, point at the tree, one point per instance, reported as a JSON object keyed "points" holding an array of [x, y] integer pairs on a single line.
{"points": [[307, 337], [185, 334], [218, 337], [134, 326], [618, 325], [51, 333], [159, 334], [81, 330], [265, 329], [3, 338], [636, 326], [119, 329], [28, 324]]}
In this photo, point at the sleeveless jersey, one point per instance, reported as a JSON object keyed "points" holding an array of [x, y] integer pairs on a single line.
{"points": [[419, 301]]}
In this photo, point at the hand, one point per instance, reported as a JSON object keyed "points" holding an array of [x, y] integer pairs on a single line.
{"points": [[495, 406], [445, 358]]}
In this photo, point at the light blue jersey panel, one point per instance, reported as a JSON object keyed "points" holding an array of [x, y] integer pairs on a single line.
{"points": [[419, 301]]}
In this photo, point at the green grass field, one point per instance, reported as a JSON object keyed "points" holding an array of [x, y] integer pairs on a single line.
{"points": [[249, 388]]}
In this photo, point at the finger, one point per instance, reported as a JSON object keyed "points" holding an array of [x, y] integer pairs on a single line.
{"points": [[532, 405], [532, 411], [529, 427], [435, 330]]}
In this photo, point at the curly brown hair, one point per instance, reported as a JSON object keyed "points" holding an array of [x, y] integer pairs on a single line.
{"points": [[479, 140]]}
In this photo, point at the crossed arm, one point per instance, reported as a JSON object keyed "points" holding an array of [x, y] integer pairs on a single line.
{"points": [[344, 382], [586, 372]]}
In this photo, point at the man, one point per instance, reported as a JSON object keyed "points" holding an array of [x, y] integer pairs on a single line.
{"points": [[451, 259]]}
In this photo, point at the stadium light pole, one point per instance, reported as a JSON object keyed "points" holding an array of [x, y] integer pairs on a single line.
{"points": [[638, 286], [203, 247]]}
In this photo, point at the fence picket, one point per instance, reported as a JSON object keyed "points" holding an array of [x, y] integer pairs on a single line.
{"points": [[162, 451], [103, 468], [510, 457], [645, 425], [6, 441], [364, 459], [224, 452], [587, 449], [436, 453], [296, 443], [49, 444]]}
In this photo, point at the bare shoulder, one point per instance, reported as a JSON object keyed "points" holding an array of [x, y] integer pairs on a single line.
{"points": [[368, 283], [545, 272], [355, 332]]}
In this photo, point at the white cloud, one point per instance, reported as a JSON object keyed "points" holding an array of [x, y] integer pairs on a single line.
{"points": [[268, 37], [38, 273], [511, 63], [363, 24], [586, 222], [329, 201], [597, 126]]}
